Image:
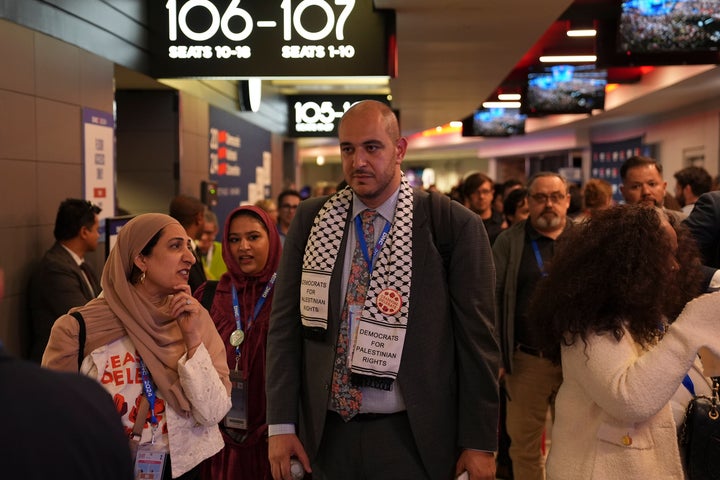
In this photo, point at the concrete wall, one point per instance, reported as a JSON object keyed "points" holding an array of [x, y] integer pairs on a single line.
{"points": [[43, 87]]}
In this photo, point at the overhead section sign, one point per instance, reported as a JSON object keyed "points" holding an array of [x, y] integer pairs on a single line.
{"points": [[319, 115], [271, 38]]}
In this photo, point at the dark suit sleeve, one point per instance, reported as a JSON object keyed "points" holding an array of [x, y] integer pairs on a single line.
{"points": [[501, 255], [63, 288], [471, 284], [69, 412], [197, 274], [284, 341], [55, 288], [704, 224]]}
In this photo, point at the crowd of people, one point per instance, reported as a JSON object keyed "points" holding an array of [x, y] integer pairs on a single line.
{"points": [[437, 336], [679, 26]]}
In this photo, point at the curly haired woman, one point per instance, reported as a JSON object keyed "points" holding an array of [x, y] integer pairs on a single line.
{"points": [[616, 284]]}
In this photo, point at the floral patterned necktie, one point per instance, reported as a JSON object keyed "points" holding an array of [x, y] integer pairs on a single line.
{"points": [[346, 398]]}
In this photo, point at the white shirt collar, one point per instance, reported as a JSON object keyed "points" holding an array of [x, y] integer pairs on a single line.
{"points": [[386, 210], [74, 255]]}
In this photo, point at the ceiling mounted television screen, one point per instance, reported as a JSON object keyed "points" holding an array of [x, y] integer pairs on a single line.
{"points": [[564, 89], [660, 32], [494, 122]]}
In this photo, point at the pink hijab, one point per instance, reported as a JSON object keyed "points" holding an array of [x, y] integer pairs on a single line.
{"points": [[274, 250]]}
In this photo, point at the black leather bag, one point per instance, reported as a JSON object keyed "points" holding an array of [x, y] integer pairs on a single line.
{"points": [[700, 436]]}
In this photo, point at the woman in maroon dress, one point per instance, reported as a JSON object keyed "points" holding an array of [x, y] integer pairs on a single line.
{"points": [[241, 311]]}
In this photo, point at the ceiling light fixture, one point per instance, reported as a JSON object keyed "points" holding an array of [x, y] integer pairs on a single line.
{"points": [[250, 94], [588, 32], [508, 97], [568, 58], [501, 104], [255, 92]]}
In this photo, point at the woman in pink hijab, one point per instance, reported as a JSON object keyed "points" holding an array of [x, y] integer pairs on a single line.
{"points": [[241, 312]]}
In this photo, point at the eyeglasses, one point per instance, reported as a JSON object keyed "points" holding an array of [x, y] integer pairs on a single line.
{"points": [[289, 207], [484, 191], [543, 198]]}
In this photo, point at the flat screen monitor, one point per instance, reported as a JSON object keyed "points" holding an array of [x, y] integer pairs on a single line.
{"points": [[494, 122], [660, 32], [564, 89], [113, 225]]}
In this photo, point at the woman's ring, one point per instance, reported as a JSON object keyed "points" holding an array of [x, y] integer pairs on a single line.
{"points": [[187, 302]]}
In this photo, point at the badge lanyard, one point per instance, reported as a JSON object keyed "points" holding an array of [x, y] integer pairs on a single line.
{"points": [[150, 395], [367, 255], [538, 258], [237, 337], [363, 244]]}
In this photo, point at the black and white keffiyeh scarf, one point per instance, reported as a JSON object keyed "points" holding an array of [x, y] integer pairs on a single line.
{"points": [[380, 333]]}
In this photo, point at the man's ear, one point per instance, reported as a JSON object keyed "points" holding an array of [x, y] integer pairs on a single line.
{"points": [[400, 149]]}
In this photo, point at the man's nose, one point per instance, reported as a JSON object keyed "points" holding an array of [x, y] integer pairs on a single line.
{"points": [[359, 158]]}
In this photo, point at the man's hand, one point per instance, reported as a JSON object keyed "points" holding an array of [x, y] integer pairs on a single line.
{"points": [[479, 465], [280, 449]]}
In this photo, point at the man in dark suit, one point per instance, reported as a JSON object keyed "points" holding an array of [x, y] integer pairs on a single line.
{"points": [[642, 183], [422, 387], [190, 212], [63, 279]]}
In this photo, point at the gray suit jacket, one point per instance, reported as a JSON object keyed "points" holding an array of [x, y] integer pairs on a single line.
{"points": [[448, 372], [55, 287], [507, 251]]}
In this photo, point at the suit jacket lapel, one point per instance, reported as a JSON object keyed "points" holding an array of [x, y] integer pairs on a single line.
{"points": [[94, 281], [336, 299]]}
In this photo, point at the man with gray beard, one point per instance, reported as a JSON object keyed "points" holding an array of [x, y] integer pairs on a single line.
{"points": [[522, 253]]}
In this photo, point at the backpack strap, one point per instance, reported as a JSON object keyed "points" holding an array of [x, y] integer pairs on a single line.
{"points": [[81, 337], [209, 294], [441, 226]]}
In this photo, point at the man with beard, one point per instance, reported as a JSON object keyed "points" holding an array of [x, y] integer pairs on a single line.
{"points": [[522, 253], [642, 183], [691, 182], [399, 378]]}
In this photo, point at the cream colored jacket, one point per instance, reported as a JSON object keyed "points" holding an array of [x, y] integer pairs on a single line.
{"points": [[195, 437], [613, 418]]}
